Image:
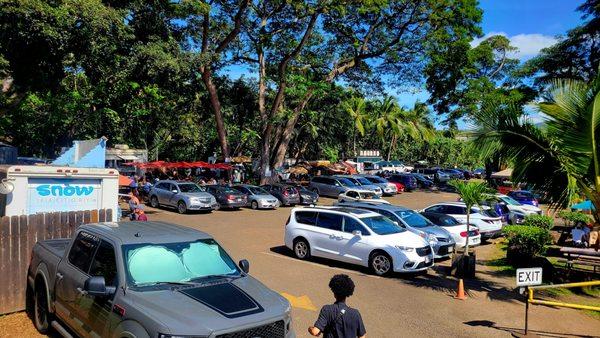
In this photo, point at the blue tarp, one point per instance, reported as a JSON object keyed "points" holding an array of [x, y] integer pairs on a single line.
{"points": [[585, 205], [84, 154]]}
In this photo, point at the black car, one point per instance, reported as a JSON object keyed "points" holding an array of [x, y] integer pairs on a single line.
{"points": [[409, 181], [286, 194], [307, 197], [422, 181], [227, 196]]}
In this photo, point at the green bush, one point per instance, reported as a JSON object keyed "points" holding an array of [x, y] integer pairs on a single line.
{"points": [[539, 221], [573, 217], [525, 243]]}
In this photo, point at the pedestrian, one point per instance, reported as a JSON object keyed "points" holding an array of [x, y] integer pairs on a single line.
{"points": [[140, 215], [338, 320], [134, 203]]}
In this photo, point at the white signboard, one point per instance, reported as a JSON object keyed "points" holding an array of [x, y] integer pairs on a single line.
{"points": [[529, 276], [63, 194]]}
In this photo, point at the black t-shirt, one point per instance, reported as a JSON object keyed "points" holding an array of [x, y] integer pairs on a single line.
{"points": [[340, 321]]}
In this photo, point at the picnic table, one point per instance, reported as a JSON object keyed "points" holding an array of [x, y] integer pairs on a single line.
{"points": [[581, 256]]}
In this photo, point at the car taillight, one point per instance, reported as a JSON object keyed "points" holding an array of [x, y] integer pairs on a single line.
{"points": [[285, 193], [476, 232], [230, 197], [463, 234]]}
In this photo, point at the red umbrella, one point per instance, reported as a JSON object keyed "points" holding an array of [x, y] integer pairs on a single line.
{"points": [[200, 164], [222, 166]]}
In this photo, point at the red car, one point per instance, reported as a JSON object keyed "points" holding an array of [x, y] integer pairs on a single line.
{"points": [[399, 186]]}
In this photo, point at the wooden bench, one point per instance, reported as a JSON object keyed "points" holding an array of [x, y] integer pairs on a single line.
{"points": [[581, 256]]}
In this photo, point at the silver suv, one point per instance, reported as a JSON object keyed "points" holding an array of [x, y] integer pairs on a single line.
{"points": [[330, 186], [181, 195]]}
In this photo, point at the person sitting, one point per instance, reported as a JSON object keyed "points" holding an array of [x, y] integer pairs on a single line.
{"points": [[134, 203], [140, 215], [578, 233]]}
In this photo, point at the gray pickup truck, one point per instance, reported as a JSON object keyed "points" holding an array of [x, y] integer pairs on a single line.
{"points": [[149, 279]]}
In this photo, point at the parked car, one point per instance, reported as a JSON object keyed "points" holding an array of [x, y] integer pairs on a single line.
{"points": [[524, 197], [257, 197], [454, 174], [440, 240], [286, 194], [149, 279], [479, 173], [457, 230], [184, 196], [330, 186], [434, 174], [307, 197], [227, 196], [356, 236], [518, 211], [484, 218], [356, 195], [409, 182], [388, 188], [363, 183], [422, 181], [466, 173]]}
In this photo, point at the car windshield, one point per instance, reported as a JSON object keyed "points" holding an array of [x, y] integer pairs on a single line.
{"points": [[486, 212], [189, 187], [363, 181], [149, 264], [258, 191], [524, 194], [413, 219], [229, 190], [346, 182], [382, 225], [368, 195], [376, 180], [509, 200]]}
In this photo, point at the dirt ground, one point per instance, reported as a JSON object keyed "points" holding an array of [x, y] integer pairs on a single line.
{"points": [[397, 306]]}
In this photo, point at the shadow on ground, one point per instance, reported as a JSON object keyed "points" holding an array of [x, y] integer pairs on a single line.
{"points": [[520, 331]]}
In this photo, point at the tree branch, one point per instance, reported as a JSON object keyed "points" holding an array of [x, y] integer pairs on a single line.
{"points": [[236, 27]]}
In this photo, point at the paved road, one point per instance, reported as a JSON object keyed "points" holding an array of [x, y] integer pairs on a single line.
{"points": [[399, 306]]}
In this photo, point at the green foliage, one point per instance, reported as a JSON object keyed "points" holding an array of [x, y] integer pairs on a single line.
{"points": [[472, 192], [540, 221], [525, 243], [573, 217]]}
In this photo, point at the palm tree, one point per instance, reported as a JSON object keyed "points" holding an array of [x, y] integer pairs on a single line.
{"points": [[559, 159], [472, 193], [355, 107]]}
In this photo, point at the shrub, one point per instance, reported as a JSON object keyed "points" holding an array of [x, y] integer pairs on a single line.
{"points": [[539, 221], [525, 243], [573, 217]]}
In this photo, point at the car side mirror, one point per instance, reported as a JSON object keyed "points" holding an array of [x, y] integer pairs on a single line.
{"points": [[96, 286], [357, 233], [244, 265]]}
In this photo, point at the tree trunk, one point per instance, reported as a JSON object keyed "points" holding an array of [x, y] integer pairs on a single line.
{"points": [[215, 104], [392, 143], [266, 127], [467, 239]]}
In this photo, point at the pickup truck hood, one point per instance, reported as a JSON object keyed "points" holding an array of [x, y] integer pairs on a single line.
{"points": [[217, 307]]}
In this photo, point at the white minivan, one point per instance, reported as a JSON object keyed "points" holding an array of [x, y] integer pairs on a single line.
{"points": [[356, 236], [484, 218]]}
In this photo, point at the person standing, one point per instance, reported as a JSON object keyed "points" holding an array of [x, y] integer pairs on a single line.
{"points": [[338, 320]]}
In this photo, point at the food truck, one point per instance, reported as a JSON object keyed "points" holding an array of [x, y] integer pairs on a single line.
{"points": [[27, 190]]}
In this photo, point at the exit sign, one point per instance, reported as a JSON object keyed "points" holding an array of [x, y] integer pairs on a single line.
{"points": [[529, 276]]}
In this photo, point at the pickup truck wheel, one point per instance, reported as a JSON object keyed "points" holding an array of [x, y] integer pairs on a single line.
{"points": [[181, 208], [154, 202], [41, 315]]}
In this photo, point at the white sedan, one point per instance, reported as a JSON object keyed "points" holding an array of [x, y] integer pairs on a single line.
{"points": [[456, 229], [355, 195]]}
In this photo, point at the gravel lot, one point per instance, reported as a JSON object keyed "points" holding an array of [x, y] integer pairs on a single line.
{"points": [[397, 306]]}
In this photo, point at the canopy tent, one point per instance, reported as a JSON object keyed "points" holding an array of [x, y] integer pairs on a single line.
{"points": [[506, 173], [585, 205]]}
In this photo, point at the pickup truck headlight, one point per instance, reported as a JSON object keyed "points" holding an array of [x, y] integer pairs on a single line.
{"points": [[405, 248], [162, 335]]}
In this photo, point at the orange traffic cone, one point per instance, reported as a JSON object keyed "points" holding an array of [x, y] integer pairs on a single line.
{"points": [[460, 293]]}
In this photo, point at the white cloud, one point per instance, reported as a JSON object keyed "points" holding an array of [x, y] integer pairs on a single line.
{"points": [[529, 45]]}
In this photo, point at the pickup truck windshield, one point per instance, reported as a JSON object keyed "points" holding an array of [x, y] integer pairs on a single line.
{"points": [[152, 264]]}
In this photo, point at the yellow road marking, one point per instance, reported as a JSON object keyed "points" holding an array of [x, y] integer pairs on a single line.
{"points": [[302, 302]]}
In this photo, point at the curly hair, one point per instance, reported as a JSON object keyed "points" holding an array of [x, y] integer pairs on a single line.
{"points": [[341, 286]]}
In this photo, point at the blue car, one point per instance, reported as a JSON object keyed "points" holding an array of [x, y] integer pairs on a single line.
{"points": [[409, 182], [422, 181], [524, 197]]}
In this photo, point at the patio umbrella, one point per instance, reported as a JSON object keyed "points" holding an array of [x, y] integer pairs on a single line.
{"points": [[124, 181], [585, 205]]}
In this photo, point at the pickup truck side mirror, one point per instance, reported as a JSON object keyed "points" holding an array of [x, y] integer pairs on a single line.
{"points": [[244, 265], [96, 286]]}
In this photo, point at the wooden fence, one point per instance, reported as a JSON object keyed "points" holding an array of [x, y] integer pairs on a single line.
{"points": [[18, 234]]}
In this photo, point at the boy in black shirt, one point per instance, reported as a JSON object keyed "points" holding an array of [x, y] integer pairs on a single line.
{"points": [[338, 320]]}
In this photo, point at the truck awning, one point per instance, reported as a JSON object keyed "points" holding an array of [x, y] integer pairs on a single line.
{"points": [[129, 157]]}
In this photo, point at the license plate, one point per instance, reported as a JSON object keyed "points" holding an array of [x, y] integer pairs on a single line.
{"points": [[450, 248], [476, 240], [427, 260], [239, 199]]}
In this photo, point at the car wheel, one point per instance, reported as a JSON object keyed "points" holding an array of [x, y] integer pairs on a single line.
{"points": [[181, 208], [154, 202], [301, 249], [41, 315], [381, 263], [254, 205]]}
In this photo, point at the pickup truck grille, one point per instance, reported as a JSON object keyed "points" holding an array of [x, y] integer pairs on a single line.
{"points": [[273, 330], [424, 251]]}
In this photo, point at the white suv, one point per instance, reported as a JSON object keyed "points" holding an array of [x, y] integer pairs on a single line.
{"points": [[356, 236], [486, 219]]}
